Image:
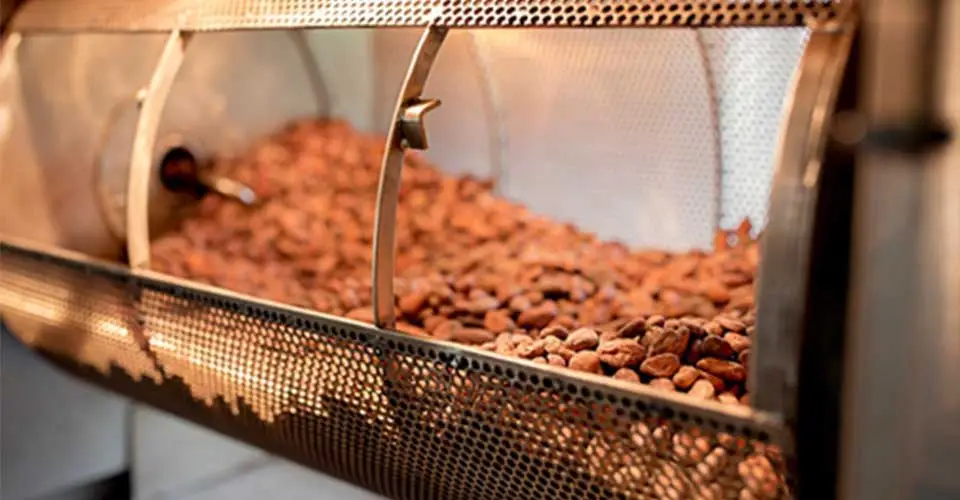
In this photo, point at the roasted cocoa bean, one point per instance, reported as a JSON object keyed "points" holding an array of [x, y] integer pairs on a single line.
{"points": [[585, 361], [621, 353], [583, 338], [729, 371], [661, 365]]}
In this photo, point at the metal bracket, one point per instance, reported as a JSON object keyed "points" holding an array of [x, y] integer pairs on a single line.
{"points": [[414, 133], [784, 263], [406, 131], [152, 101]]}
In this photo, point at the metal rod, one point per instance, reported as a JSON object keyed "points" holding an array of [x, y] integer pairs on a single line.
{"points": [[388, 193], [153, 99], [785, 250]]}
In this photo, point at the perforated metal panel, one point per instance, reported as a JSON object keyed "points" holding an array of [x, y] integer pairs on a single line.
{"points": [[400, 416], [155, 15], [751, 72]]}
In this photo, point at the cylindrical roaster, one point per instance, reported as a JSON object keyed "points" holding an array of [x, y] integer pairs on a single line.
{"points": [[487, 352]]}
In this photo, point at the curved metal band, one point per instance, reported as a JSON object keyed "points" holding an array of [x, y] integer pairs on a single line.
{"points": [[388, 193], [152, 103], [784, 262]]}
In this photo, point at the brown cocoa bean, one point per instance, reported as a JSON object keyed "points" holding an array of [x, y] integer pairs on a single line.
{"points": [[728, 398], [445, 330], [414, 302], [738, 342], [715, 346], [633, 329], [655, 320], [556, 360], [627, 375], [498, 321], [538, 316], [664, 384], [685, 377], [733, 325], [472, 336], [585, 361], [702, 389], [532, 349], [718, 384], [661, 365], [557, 331], [713, 328], [672, 341], [583, 338], [621, 353], [729, 371]]}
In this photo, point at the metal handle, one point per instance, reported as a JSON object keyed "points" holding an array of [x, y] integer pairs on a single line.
{"points": [[406, 130]]}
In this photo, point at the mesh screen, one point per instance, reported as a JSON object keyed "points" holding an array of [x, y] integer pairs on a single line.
{"points": [[247, 14], [403, 417]]}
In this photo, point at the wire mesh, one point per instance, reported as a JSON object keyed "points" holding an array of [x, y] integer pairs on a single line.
{"points": [[404, 417]]}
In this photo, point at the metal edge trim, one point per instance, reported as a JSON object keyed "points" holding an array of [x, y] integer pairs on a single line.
{"points": [[56, 16], [782, 280]]}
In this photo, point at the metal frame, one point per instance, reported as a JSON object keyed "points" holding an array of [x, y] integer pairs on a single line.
{"points": [[406, 131], [190, 15], [784, 262], [152, 100]]}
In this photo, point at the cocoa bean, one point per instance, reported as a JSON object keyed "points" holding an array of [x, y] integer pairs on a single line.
{"points": [[557, 331], [702, 389], [498, 321], [661, 365], [664, 384], [621, 353], [729, 371], [538, 316], [672, 341], [583, 338], [585, 361], [473, 336], [685, 377], [633, 329], [738, 342], [626, 374], [556, 360], [714, 346], [733, 325]]}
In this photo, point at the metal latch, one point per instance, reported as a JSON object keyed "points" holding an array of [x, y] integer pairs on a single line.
{"points": [[412, 129]]}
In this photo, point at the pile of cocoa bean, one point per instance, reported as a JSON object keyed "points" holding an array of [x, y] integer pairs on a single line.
{"points": [[472, 267]]}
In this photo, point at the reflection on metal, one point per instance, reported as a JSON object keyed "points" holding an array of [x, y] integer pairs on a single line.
{"points": [[406, 130], [785, 248], [151, 108]]}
